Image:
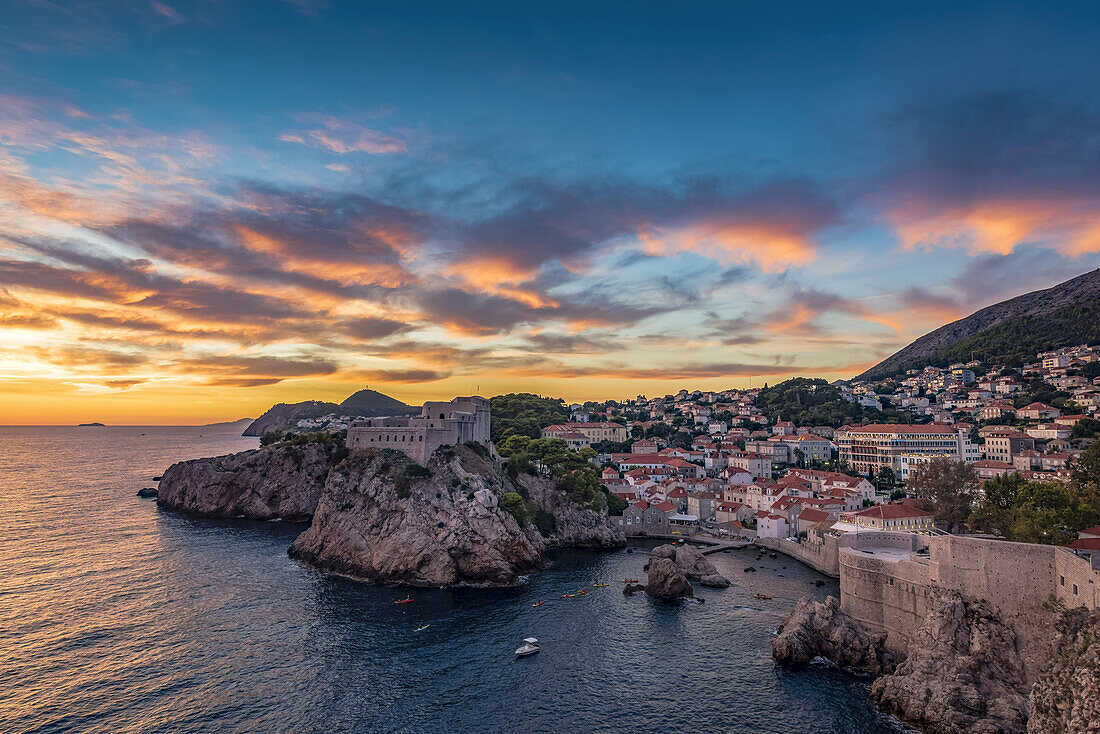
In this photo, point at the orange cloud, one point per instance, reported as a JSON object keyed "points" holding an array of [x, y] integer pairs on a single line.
{"points": [[1001, 226], [769, 246], [341, 271]]}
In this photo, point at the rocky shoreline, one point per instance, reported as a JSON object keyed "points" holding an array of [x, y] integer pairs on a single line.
{"points": [[378, 517], [967, 669]]}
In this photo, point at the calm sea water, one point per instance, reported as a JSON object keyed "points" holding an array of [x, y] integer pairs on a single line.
{"points": [[118, 617]]}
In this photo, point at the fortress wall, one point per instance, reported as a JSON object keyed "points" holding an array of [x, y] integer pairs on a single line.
{"points": [[1012, 577], [1070, 569], [894, 596], [884, 595], [822, 558]]}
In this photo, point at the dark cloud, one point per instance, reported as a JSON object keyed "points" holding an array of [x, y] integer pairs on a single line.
{"points": [[966, 149], [368, 329], [403, 376]]}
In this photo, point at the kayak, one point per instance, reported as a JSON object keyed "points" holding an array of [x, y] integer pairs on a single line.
{"points": [[538, 604], [598, 586], [418, 629], [582, 592], [407, 600], [760, 596], [567, 596]]}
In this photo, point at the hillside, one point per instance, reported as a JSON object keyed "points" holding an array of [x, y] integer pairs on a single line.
{"points": [[1060, 316], [366, 403]]}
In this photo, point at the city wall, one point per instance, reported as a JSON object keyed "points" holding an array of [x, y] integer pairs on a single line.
{"points": [[821, 557], [890, 588]]}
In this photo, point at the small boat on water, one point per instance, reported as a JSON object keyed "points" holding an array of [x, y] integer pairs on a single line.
{"points": [[529, 647], [538, 604], [406, 600], [582, 592], [423, 627], [760, 596], [630, 581], [598, 586], [567, 596]]}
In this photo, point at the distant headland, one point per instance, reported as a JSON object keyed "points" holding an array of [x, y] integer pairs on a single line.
{"points": [[90, 425]]}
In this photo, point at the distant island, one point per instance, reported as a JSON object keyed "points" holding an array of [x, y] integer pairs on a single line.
{"points": [[90, 425]]}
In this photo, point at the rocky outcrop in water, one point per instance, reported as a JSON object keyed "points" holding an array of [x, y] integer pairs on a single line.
{"points": [[963, 673], [691, 562], [820, 629], [273, 482], [672, 568], [382, 518], [665, 580], [1066, 698]]}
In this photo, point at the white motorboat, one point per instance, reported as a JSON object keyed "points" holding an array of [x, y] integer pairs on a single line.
{"points": [[529, 647]]}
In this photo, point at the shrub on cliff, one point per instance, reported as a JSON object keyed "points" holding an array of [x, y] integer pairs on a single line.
{"points": [[517, 507], [403, 480]]}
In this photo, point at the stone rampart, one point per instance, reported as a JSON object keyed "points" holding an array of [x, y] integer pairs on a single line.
{"points": [[818, 556]]}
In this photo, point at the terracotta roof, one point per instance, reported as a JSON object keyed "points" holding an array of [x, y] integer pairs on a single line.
{"points": [[1091, 544], [812, 515]]}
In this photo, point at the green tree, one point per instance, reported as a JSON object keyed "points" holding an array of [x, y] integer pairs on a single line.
{"points": [[517, 507], [949, 486], [524, 414]]}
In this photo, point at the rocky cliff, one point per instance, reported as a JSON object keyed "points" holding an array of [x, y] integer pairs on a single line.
{"points": [[819, 629], [1066, 699], [382, 518], [964, 673], [967, 671], [379, 517], [279, 482]]}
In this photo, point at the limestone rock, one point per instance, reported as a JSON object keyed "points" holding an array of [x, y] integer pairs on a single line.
{"points": [[575, 527], [963, 673], [693, 564], [1066, 698], [378, 517], [374, 525], [666, 581], [820, 629], [378, 522], [147, 493], [272, 482], [631, 589]]}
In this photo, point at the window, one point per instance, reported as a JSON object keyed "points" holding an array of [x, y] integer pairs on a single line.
{"points": [[1075, 589], [1062, 580]]}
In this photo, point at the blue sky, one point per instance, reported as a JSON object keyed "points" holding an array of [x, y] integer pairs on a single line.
{"points": [[242, 202]]}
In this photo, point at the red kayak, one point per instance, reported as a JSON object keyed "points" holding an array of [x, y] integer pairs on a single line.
{"points": [[407, 600]]}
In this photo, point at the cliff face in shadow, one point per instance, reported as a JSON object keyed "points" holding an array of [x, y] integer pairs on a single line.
{"points": [[968, 670], [282, 482], [378, 517]]}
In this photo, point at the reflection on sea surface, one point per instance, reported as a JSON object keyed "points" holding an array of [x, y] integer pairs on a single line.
{"points": [[117, 617]]}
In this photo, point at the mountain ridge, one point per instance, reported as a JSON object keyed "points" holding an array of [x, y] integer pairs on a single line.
{"points": [[1062, 315], [366, 402]]}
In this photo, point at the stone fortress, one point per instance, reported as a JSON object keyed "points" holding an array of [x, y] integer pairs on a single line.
{"points": [[448, 423]]}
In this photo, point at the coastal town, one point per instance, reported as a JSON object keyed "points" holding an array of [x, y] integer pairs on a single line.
{"points": [[718, 464]]}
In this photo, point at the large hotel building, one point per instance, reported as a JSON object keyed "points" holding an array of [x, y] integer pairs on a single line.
{"points": [[867, 449]]}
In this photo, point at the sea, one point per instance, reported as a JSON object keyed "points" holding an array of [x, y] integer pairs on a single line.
{"points": [[117, 616]]}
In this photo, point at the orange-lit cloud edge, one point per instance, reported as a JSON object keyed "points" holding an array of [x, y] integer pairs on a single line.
{"points": [[138, 295]]}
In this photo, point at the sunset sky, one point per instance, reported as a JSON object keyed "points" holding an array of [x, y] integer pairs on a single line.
{"points": [[209, 207]]}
